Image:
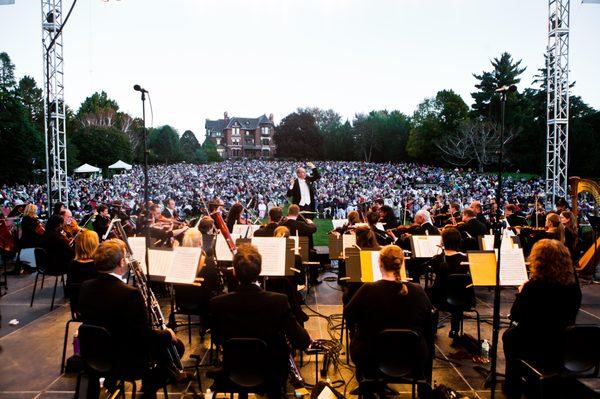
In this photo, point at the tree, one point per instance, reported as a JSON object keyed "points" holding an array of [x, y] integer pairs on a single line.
{"points": [[297, 136], [7, 73], [584, 139], [209, 152], [506, 72], [326, 119], [31, 97], [189, 145], [339, 145], [475, 142], [163, 145], [435, 118], [101, 146]]}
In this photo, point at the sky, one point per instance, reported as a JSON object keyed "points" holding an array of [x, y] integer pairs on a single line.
{"points": [[199, 58]]}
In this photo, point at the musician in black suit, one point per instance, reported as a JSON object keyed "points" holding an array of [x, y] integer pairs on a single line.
{"points": [[58, 249], [250, 312], [169, 211], [510, 211], [478, 209], [303, 227], [471, 229], [102, 221], [302, 190], [108, 302], [268, 230], [423, 218]]}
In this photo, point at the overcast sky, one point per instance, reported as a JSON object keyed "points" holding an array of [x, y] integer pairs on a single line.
{"points": [[200, 58]]}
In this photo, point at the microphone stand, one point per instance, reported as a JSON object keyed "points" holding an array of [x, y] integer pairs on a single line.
{"points": [[497, 240], [147, 217]]}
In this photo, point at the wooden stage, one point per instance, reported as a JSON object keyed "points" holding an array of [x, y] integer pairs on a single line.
{"points": [[31, 351]]}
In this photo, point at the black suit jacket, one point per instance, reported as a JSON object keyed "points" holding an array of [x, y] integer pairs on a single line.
{"points": [[304, 229], [60, 253], [250, 312], [266, 230], [516, 220], [108, 302], [429, 228], [294, 192]]}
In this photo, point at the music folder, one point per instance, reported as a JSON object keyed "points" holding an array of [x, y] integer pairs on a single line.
{"points": [[338, 243], [482, 265], [277, 253], [222, 251], [173, 265], [245, 230], [362, 266]]}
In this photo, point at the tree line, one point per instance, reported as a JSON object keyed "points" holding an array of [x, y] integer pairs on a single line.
{"points": [[443, 130]]}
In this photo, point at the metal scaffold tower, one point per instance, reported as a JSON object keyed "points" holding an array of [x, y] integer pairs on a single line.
{"points": [[54, 103], [557, 137]]}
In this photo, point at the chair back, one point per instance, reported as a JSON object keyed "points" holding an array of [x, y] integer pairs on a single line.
{"points": [[401, 353], [190, 299], [457, 293], [73, 296], [97, 348], [41, 259], [581, 349], [245, 361]]}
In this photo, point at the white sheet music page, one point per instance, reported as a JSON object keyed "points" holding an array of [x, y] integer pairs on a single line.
{"points": [[512, 267], [222, 251], [272, 250], [488, 242], [245, 230], [348, 241], [339, 223], [185, 265], [427, 246], [296, 244], [375, 266], [138, 250], [161, 262]]}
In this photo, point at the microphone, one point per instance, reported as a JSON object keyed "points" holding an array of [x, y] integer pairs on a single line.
{"points": [[506, 89], [140, 89]]}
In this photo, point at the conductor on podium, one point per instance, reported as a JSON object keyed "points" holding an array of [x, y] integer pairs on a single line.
{"points": [[301, 188]]}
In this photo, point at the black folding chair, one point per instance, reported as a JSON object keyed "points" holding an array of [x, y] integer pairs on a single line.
{"points": [[460, 298], [245, 367], [189, 301], [73, 295], [100, 360], [46, 269], [580, 358], [402, 357]]}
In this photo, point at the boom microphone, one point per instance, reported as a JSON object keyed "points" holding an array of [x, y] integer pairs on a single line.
{"points": [[506, 89], [140, 89]]}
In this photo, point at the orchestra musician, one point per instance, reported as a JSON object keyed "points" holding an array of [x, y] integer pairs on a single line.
{"points": [[107, 301], [250, 312], [389, 304], [553, 229], [537, 217], [544, 306], [443, 265], [58, 208], [303, 227], [302, 190], [102, 221], [387, 217], [365, 240], [454, 210], [380, 235], [471, 228], [82, 267], [163, 231], [569, 221], [58, 247], [32, 230], [353, 219], [268, 230], [235, 216], [513, 219], [478, 210], [169, 211]]}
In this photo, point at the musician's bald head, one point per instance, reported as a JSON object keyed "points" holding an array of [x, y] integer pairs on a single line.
{"points": [[301, 173]]}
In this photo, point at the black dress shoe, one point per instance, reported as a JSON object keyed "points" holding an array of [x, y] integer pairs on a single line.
{"points": [[453, 334]]}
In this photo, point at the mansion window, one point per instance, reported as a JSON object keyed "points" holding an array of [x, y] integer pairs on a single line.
{"points": [[235, 131], [266, 142], [235, 141], [265, 131]]}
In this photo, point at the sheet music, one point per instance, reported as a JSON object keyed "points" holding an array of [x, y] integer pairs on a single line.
{"points": [[185, 265], [339, 223], [245, 230], [488, 242], [160, 262], [138, 250], [375, 266], [296, 244], [348, 241], [427, 246], [512, 267], [222, 251], [272, 250]]}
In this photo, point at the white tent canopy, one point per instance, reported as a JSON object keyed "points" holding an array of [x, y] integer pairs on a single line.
{"points": [[120, 165], [87, 168]]}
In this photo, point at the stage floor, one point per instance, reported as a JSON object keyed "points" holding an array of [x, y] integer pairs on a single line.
{"points": [[31, 351]]}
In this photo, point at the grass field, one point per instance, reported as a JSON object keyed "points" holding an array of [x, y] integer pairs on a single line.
{"points": [[324, 226]]}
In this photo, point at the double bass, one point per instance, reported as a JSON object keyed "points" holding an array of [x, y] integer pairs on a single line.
{"points": [[7, 239]]}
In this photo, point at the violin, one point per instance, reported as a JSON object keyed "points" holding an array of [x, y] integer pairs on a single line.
{"points": [[72, 228], [40, 229]]}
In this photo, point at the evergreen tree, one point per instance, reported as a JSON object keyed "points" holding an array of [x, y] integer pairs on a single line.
{"points": [[209, 150], [163, 145], [297, 136], [189, 145]]}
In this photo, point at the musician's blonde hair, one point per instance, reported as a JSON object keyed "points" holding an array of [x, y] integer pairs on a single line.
{"points": [[281, 231], [392, 258], [86, 244], [293, 210], [550, 261], [30, 210], [555, 224], [192, 238]]}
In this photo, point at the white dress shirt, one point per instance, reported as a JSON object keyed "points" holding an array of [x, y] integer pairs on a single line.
{"points": [[304, 192]]}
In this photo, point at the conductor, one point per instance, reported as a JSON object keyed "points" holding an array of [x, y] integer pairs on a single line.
{"points": [[301, 188]]}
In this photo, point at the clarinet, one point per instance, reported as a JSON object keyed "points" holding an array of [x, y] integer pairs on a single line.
{"points": [[296, 379], [175, 366]]}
